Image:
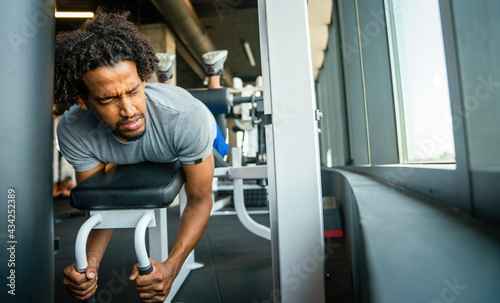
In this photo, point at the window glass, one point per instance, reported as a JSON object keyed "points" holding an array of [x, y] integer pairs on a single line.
{"points": [[423, 112]]}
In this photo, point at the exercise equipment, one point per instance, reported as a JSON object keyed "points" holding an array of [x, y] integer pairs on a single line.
{"points": [[293, 154], [220, 102], [238, 173], [248, 115], [133, 196]]}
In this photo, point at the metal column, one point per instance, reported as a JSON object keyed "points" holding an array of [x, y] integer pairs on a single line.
{"points": [[293, 152], [26, 219]]}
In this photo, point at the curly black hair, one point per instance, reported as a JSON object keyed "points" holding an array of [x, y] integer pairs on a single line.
{"points": [[105, 40]]}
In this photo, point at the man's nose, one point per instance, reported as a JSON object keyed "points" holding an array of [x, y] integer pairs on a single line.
{"points": [[127, 108]]}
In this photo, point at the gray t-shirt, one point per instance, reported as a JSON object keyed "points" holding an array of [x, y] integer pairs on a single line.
{"points": [[178, 126]]}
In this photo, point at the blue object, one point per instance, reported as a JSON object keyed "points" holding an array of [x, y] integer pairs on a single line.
{"points": [[220, 143]]}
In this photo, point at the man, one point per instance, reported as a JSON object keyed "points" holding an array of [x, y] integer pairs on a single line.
{"points": [[114, 117]]}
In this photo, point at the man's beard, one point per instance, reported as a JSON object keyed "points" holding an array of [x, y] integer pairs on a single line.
{"points": [[116, 130], [132, 137]]}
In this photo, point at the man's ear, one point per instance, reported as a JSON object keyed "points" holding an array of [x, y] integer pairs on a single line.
{"points": [[81, 102]]}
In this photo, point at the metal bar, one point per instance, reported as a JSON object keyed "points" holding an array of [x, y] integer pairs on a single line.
{"points": [[239, 100], [239, 203], [294, 135], [272, 195], [140, 240], [121, 218], [158, 236], [248, 172], [221, 171], [245, 172], [232, 212], [219, 204], [245, 186], [81, 241], [188, 265]]}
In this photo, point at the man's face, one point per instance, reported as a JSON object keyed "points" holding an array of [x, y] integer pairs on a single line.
{"points": [[116, 97]]}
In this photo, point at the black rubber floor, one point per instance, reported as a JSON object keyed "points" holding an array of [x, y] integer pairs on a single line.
{"points": [[237, 264]]}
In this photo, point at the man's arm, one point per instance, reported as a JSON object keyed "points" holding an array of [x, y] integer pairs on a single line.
{"points": [[83, 286], [156, 286], [98, 238]]}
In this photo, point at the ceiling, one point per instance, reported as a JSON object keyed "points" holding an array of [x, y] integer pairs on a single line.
{"points": [[229, 23]]}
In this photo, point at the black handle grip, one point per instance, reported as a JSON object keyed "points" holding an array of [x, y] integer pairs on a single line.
{"points": [[146, 270], [91, 299]]}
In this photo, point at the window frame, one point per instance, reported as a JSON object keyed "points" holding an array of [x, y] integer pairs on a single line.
{"points": [[402, 126], [451, 183]]}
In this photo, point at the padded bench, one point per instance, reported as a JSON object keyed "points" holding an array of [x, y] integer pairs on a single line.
{"points": [[143, 185], [132, 196]]}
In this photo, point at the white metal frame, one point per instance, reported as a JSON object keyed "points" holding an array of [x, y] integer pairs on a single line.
{"points": [[155, 220], [237, 173], [294, 189]]}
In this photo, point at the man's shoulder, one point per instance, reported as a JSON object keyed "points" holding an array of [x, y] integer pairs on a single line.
{"points": [[159, 91], [76, 123], [74, 116], [169, 96]]}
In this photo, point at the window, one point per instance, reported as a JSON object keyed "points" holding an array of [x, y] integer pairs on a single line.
{"points": [[422, 102], [421, 82]]}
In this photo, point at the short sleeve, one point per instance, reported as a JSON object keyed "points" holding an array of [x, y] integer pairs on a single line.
{"points": [[195, 134], [73, 149]]}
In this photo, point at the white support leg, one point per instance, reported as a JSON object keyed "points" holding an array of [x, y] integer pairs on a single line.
{"points": [[158, 236], [81, 241], [292, 140], [220, 204], [239, 203], [155, 219], [140, 243], [189, 264]]}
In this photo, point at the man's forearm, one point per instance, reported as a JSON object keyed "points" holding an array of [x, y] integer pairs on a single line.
{"points": [[97, 242], [193, 223]]}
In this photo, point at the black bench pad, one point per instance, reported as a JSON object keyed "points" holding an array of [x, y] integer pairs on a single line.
{"points": [[142, 185]]}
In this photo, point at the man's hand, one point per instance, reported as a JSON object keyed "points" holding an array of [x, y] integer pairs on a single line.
{"points": [[79, 285], [155, 286]]}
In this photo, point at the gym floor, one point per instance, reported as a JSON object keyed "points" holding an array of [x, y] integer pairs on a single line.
{"points": [[237, 264]]}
